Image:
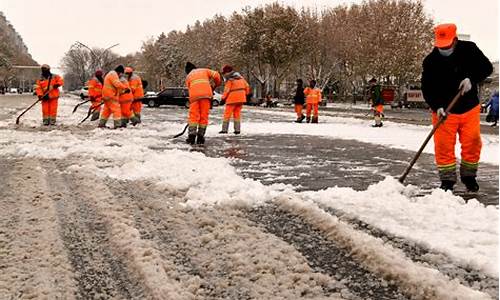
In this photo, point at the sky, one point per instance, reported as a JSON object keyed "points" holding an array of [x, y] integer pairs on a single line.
{"points": [[50, 27]]}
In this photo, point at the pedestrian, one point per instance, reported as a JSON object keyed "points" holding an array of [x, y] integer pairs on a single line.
{"points": [[95, 94], [137, 88], [125, 99], [299, 100], [492, 104], [236, 89], [377, 102], [47, 90], [200, 83], [452, 66], [313, 98], [111, 91]]}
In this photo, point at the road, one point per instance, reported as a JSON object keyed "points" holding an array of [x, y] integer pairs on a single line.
{"points": [[68, 233]]}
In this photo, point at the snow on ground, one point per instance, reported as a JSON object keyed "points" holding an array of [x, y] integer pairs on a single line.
{"points": [[467, 232], [395, 135]]}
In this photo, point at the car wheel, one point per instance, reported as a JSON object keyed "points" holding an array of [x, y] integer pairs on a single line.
{"points": [[186, 105], [215, 103], [151, 103]]}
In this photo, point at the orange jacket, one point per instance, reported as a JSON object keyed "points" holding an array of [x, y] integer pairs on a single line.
{"points": [[124, 97], [198, 83], [112, 86], [236, 90], [95, 89], [135, 84], [41, 86], [313, 96]]}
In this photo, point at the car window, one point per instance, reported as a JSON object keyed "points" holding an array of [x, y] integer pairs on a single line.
{"points": [[167, 93], [178, 93]]}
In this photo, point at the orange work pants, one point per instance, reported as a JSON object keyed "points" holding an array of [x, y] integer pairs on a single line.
{"points": [[233, 110], [298, 110], [49, 110], [467, 126], [313, 107], [137, 107], [126, 110], [198, 115], [111, 106]]}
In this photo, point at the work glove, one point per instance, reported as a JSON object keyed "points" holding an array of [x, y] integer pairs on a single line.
{"points": [[126, 91], [465, 86], [441, 113], [44, 97], [56, 86]]}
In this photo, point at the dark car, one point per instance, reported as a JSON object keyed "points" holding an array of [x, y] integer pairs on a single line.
{"points": [[172, 96]]}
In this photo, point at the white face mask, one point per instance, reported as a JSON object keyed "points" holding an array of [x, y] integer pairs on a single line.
{"points": [[446, 52]]}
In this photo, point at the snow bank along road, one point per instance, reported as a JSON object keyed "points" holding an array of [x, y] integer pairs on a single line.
{"points": [[131, 214]]}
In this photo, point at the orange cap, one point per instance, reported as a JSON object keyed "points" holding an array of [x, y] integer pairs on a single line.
{"points": [[444, 35], [129, 70]]}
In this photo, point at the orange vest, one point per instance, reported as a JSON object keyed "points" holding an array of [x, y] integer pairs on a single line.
{"points": [[112, 86], [236, 90], [135, 84], [125, 97], [313, 96], [42, 86], [198, 83], [95, 89]]}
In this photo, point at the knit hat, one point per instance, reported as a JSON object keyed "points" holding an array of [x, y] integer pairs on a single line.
{"points": [[226, 69], [189, 67], [119, 69], [99, 73], [45, 66]]}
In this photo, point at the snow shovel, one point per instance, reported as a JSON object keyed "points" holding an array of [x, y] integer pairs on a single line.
{"points": [[179, 134], [434, 128], [90, 112], [39, 99], [76, 106]]}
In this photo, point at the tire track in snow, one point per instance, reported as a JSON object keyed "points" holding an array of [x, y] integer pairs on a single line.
{"points": [[219, 254], [99, 271], [324, 255], [419, 253]]}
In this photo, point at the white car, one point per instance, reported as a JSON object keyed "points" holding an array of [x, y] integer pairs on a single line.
{"points": [[13, 90], [83, 92]]}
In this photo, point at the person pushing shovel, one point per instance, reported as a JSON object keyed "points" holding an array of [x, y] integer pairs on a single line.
{"points": [[47, 90], [455, 65]]}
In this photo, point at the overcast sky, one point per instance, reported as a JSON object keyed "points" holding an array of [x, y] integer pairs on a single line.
{"points": [[50, 27]]}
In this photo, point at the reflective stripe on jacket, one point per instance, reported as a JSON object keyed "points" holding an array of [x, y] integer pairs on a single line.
{"points": [[198, 83], [135, 83], [42, 86], [95, 88], [313, 96], [236, 90], [112, 86]]}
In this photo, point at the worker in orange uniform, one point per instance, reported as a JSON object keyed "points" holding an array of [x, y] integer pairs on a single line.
{"points": [[455, 66], [110, 95], [135, 83], [125, 99], [313, 98], [377, 102], [235, 94], [200, 82], [95, 94], [47, 90]]}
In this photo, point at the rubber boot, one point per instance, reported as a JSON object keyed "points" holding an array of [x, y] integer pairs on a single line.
{"points": [[447, 185], [134, 120], [102, 123], [191, 139], [52, 121], [200, 136], [138, 116], [308, 119], [470, 183], [124, 123], [225, 127], [118, 124], [46, 122], [237, 127], [314, 119]]}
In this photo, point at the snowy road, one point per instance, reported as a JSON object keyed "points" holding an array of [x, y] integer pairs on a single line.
{"points": [[131, 214]]}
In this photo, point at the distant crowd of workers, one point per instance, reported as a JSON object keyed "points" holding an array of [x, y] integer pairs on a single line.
{"points": [[454, 66]]}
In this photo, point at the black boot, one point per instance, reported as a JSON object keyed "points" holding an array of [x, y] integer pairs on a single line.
{"points": [[308, 119], [200, 139], [447, 185], [191, 139], [470, 183]]}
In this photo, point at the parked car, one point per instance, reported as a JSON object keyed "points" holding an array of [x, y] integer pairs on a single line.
{"points": [[13, 90], [172, 96]]}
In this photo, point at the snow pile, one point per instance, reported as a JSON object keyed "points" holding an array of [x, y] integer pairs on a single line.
{"points": [[467, 232]]}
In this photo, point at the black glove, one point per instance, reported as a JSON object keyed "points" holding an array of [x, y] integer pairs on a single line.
{"points": [[56, 86], [45, 97], [126, 91]]}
